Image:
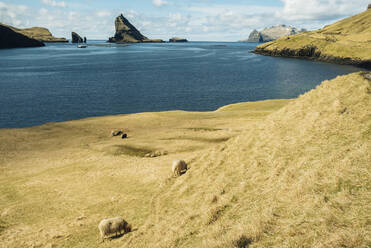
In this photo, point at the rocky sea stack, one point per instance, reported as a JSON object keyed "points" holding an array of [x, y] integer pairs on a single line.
{"points": [[272, 33], [127, 33], [76, 38], [177, 39], [344, 42], [12, 39]]}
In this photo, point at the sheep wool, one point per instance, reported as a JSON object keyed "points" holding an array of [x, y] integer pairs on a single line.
{"points": [[179, 167], [113, 226]]}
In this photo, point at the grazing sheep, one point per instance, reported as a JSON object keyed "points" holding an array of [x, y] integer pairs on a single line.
{"points": [[179, 167], [116, 132], [113, 226]]}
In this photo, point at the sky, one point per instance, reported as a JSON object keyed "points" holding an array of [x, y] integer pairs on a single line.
{"points": [[198, 20]]}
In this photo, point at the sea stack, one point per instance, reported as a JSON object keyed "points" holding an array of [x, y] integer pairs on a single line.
{"points": [[177, 39], [76, 38], [12, 39], [127, 33]]}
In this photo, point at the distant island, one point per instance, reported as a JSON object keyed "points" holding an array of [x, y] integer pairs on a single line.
{"points": [[38, 33], [127, 33], [12, 39], [177, 39], [272, 33], [344, 42]]}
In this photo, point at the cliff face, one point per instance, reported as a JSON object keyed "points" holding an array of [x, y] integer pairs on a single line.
{"points": [[39, 33], [255, 36], [11, 39], [273, 33], [76, 38], [345, 42], [127, 33]]}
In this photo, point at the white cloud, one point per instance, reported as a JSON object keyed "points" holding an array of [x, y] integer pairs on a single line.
{"points": [[202, 20], [43, 11], [320, 9], [12, 14], [54, 3], [159, 3], [103, 13]]}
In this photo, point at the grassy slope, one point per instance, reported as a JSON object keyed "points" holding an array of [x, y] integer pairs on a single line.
{"points": [[297, 177], [38, 33], [349, 38], [57, 181], [300, 178]]}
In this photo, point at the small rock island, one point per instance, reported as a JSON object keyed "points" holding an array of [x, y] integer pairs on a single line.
{"points": [[177, 39], [127, 33], [76, 38]]}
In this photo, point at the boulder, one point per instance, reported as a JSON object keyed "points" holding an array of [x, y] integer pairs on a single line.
{"points": [[177, 39], [76, 38], [127, 33], [11, 39]]}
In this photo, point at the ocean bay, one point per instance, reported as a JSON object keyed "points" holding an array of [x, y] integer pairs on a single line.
{"points": [[60, 82]]}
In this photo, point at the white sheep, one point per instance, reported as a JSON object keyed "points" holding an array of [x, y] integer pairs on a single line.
{"points": [[113, 226], [179, 167]]}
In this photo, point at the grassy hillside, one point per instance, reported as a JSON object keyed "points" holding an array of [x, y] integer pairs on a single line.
{"points": [[38, 33], [57, 181], [266, 174], [347, 41]]}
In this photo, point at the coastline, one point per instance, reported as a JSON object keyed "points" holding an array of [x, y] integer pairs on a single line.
{"points": [[311, 54], [263, 105], [70, 175]]}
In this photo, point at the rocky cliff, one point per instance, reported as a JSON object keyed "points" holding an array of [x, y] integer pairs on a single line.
{"points": [[11, 39], [272, 33], [38, 33], [127, 33], [76, 38], [345, 42]]}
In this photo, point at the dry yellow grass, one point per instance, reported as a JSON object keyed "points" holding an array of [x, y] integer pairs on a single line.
{"points": [[347, 41], [266, 174], [38, 33]]}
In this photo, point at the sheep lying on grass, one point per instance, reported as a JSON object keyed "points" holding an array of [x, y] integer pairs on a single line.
{"points": [[179, 167], [113, 226]]}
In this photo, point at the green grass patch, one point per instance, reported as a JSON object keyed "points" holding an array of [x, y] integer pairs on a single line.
{"points": [[118, 150]]}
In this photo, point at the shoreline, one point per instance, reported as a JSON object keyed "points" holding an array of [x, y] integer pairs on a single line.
{"points": [[228, 107], [309, 53]]}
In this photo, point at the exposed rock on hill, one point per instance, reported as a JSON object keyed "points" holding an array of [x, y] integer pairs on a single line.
{"points": [[76, 38], [177, 39], [38, 33], [345, 42], [127, 33], [11, 39], [255, 36], [273, 33]]}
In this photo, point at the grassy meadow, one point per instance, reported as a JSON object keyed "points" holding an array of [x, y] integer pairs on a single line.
{"points": [[278, 173]]}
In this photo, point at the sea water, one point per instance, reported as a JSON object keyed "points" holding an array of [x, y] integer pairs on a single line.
{"points": [[61, 82]]}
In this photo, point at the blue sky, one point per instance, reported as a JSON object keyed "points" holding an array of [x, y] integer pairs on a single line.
{"points": [[219, 20]]}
